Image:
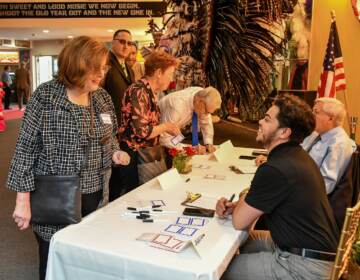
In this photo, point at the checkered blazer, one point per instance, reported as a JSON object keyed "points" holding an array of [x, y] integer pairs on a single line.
{"points": [[53, 138]]}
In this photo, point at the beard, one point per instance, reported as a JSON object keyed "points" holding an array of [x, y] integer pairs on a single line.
{"points": [[266, 139]]}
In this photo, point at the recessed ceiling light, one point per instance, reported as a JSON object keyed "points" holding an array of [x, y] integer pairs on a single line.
{"points": [[46, 31], [110, 30], [70, 36]]}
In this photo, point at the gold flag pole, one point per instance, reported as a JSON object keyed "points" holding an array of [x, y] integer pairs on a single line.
{"points": [[348, 118]]}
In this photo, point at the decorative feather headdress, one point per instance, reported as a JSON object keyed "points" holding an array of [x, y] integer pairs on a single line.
{"points": [[227, 44]]}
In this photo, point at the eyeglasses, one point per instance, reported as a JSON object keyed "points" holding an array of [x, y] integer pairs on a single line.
{"points": [[124, 42], [103, 70]]}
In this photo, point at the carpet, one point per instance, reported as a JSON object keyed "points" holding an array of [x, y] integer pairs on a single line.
{"points": [[13, 114]]}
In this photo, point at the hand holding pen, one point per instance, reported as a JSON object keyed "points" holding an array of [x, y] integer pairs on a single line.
{"points": [[225, 207]]}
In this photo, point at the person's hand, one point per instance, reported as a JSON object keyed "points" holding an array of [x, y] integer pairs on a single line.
{"points": [[260, 160], [201, 150], [224, 207], [172, 129], [22, 212], [121, 157], [210, 148]]}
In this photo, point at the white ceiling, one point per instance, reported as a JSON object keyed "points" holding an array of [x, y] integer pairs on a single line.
{"points": [[32, 29]]}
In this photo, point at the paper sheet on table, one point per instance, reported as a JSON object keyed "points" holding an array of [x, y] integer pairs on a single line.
{"points": [[205, 201], [204, 240], [247, 169]]}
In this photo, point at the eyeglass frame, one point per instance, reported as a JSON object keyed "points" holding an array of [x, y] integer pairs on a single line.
{"points": [[124, 42], [103, 70]]}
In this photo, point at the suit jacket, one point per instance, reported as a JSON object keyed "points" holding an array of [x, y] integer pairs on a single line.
{"points": [[22, 79], [116, 82], [347, 190]]}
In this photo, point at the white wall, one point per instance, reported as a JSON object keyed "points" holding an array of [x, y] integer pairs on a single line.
{"points": [[47, 47]]}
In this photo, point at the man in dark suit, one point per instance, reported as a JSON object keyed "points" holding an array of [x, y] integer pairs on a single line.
{"points": [[117, 80], [120, 75]]}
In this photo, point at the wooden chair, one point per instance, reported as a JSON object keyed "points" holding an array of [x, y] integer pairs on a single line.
{"points": [[347, 238]]}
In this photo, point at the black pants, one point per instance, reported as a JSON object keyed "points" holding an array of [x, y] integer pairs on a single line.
{"points": [[7, 97], [124, 178], [89, 203]]}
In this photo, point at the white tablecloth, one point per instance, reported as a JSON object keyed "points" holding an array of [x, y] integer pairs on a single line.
{"points": [[103, 245]]}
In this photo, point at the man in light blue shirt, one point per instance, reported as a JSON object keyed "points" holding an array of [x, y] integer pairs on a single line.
{"points": [[329, 145], [178, 107]]}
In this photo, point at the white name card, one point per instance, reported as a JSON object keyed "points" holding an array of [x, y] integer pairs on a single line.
{"points": [[225, 152], [169, 179], [206, 238]]}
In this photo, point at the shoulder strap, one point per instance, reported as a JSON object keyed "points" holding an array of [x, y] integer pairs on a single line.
{"points": [[91, 135]]}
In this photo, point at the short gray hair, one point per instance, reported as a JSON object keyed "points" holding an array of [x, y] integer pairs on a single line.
{"points": [[210, 95], [333, 108]]}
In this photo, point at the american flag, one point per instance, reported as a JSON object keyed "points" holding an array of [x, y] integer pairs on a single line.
{"points": [[332, 78], [356, 7]]}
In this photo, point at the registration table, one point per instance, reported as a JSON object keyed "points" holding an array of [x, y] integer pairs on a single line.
{"points": [[104, 246]]}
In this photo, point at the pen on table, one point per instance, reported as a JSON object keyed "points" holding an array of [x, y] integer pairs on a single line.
{"points": [[187, 180], [232, 197]]}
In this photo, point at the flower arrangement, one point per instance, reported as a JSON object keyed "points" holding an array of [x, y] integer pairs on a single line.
{"points": [[182, 159]]}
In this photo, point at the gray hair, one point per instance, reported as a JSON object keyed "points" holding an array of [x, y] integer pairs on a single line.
{"points": [[333, 108], [210, 95]]}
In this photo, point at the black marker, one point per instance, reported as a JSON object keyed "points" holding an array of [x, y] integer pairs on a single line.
{"points": [[131, 208], [230, 200], [143, 216], [232, 197], [187, 180]]}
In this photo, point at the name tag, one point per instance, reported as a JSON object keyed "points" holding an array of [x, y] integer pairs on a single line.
{"points": [[105, 118], [177, 139]]}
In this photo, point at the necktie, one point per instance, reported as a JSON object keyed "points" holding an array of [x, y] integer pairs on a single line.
{"points": [[317, 139], [194, 130], [123, 67]]}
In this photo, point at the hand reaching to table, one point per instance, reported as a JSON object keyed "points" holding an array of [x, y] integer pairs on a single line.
{"points": [[172, 129]]}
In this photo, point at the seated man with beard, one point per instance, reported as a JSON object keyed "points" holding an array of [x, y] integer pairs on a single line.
{"points": [[289, 191]]}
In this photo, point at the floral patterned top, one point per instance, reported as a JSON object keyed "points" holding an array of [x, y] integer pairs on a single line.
{"points": [[140, 113]]}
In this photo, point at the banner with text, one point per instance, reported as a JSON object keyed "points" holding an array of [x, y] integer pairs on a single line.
{"points": [[82, 9]]}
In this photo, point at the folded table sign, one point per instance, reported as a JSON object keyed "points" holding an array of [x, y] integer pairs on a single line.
{"points": [[169, 179], [225, 152]]}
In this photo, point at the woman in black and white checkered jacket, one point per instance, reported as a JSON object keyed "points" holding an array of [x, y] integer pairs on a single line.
{"points": [[56, 130]]}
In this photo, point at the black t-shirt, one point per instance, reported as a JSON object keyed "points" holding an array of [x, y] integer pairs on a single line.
{"points": [[290, 190]]}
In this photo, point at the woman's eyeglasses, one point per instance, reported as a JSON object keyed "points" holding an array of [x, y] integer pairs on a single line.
{"points": [[124, 42], [102, 70]]}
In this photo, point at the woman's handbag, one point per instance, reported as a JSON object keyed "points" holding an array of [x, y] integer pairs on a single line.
{"points": [[151, 163], [56, 199]]}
